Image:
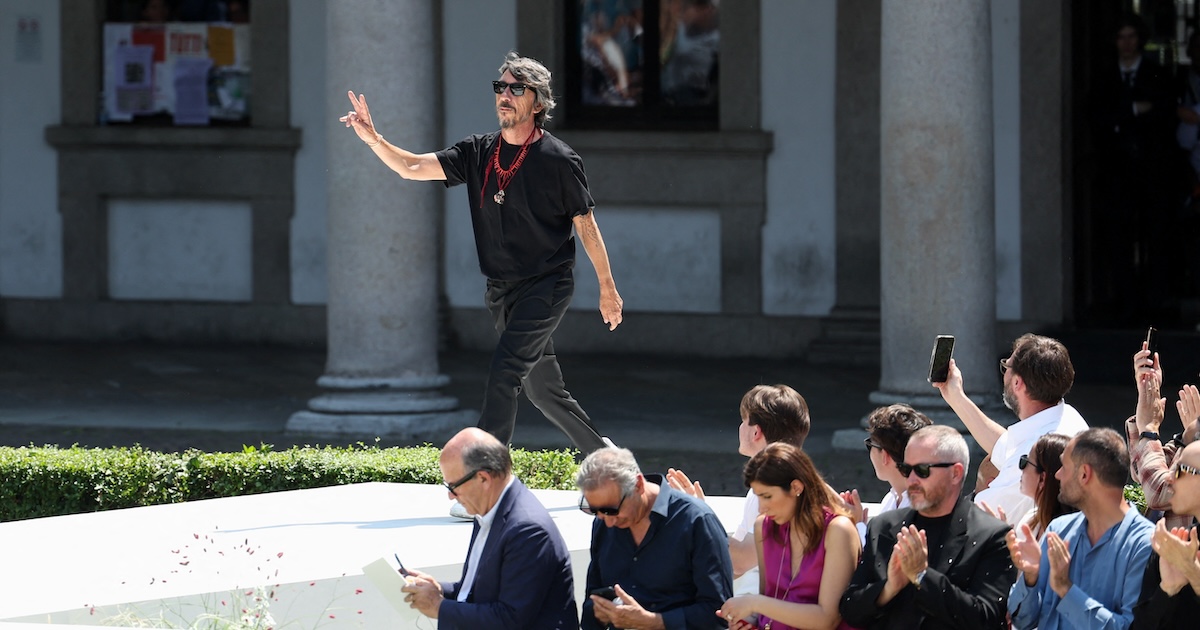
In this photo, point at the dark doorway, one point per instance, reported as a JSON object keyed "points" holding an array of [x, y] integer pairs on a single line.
{"points": [[1136, 194]]}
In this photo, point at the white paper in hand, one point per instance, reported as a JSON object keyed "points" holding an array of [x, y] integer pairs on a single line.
{"points": [[389, 582]]}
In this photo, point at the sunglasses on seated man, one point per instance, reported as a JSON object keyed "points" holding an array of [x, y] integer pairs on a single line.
{"points": [[517, 89], [601, 511], [922, 470]]}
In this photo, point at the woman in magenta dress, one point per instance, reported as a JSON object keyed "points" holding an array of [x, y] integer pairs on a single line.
{"points": [[807, 547]]}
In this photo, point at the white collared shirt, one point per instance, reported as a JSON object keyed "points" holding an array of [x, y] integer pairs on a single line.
{"points": [[485, 527], [1005, 489], [892, 501]]}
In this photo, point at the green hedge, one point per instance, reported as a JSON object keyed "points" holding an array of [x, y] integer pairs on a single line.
{"points": [[52, 481]]}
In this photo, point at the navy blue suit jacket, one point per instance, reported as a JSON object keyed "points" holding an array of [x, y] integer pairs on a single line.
{"points": [[524, 577]]}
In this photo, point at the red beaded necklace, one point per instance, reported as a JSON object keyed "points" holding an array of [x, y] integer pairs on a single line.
{"points": [[504, 175]]}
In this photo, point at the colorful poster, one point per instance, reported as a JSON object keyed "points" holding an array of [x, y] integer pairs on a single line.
{"points": [[220, 45]]}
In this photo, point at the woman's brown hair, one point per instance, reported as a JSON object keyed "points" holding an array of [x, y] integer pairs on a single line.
{"points": [[1047, 453], [777, 466]]}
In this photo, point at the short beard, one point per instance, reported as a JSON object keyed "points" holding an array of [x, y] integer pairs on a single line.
{"points": [[1010, 401]]}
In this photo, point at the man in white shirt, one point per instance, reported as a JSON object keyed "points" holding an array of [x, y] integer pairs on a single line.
{"points": [[770, 413], [1037, 375], [888, 430]]}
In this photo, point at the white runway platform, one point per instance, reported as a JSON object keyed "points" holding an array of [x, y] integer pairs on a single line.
{"points": [[306, 548]]}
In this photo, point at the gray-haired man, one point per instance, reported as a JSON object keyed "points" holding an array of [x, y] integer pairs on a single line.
{"points": [[661, 551], [527, 190]]}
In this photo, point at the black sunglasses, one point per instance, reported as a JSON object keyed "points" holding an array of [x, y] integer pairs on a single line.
{"points": [[1025, 461], [870, 445], [518, 88], [453, 487], [1003, 362], [600, 511], [922, 470], [1184, 468]]}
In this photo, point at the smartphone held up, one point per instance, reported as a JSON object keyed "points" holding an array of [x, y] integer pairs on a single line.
{"points": [[939, 360]]}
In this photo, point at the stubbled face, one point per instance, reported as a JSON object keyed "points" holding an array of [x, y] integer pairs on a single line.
{"points": [[927, 495], [1009, 396], [778, 504], [1070, 492], [514, 111], [1031, 479]]}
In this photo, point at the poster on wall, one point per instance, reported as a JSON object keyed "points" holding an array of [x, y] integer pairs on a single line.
{"points": [[191, 72]]}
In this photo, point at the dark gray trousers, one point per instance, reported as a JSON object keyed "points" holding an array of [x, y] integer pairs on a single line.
{"points": [[526, 313]]}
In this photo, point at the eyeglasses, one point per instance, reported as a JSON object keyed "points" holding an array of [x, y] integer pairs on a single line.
{"points": [[517, 89], [453, 487], [922, 470], [1003, 365], [1025, 461], [600, 511], [870, 445], [1184, 468]]}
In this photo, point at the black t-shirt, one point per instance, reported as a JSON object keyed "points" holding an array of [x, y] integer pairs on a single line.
{"points": [[530, 233], [936, 530]]}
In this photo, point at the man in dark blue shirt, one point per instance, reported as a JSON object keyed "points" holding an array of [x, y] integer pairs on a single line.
{"points": [[662, 552]]}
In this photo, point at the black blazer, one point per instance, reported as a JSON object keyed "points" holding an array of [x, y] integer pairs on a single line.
{"points": [[966, 585]]}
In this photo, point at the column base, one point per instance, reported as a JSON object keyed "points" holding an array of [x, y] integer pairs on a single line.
{"points": [[409, 408], [417, 428]]}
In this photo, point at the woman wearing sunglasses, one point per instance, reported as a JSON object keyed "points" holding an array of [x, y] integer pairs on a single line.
{"points": [[807, 546], [1039, 483]]}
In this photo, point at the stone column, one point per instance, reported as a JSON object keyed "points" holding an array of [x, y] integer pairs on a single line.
{"points": [[381, 374], [937, 199]]}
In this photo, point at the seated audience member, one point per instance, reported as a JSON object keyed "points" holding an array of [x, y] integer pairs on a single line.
{"points": [[662, 552], [807, 547], [518, 571], [941, 563], [1149, 459], [1088, 571], [770, 413], [1170, 598], [888, 430], [1038, 482], [1037, 375]]}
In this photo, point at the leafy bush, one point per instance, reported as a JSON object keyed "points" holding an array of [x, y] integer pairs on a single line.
{"points": [[52, 481], [1135, 495]]}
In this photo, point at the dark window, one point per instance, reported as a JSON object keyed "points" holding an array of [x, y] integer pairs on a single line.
{"points": [[643, 63], [176, 62]]}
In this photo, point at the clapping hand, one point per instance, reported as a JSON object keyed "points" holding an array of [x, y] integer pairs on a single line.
{"points": [[1060, 564], [854, 504], [679, 481], [1025, 552]]}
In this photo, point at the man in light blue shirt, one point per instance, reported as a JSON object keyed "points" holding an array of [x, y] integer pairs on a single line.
{"points": [[1088, 572]]}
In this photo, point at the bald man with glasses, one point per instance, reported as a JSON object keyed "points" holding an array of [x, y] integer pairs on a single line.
{"points": [[518, 570], [940, 563]]}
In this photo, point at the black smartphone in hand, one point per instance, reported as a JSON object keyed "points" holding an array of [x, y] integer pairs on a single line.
{"points": [[939, 360], [1150, 340], [607, 592]]}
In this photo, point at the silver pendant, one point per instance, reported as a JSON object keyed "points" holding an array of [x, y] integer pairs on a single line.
{"points": [[499, 198]]}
